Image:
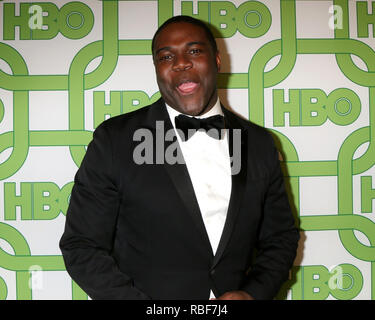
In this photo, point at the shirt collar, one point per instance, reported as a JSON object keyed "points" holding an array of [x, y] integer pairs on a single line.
{"points": [[215, 110]]}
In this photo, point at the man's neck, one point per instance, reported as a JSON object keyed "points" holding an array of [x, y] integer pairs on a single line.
{"points": [[216, 109]]}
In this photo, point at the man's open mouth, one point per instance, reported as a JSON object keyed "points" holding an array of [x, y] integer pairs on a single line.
{"points": [[187, 87]]}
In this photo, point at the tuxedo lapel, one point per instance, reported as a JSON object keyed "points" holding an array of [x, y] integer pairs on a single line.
{"points": [[180, 178], [238, 178], [178, 172], [182, 182]]}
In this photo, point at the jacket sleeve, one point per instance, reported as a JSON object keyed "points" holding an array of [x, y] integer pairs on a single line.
{"points": [[277, 239], [91, 223]]}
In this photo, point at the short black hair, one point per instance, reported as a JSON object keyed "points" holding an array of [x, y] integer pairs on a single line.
{"points": [[190, 20]]}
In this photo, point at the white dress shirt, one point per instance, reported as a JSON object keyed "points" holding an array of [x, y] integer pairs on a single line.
{"points": [[208, 163]]}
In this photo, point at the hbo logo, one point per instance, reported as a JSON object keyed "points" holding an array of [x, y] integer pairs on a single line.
{"points": [[313, 107], [44, 20]]}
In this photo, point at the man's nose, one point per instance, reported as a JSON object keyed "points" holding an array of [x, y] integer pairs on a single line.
{"points": [[182, 63]]}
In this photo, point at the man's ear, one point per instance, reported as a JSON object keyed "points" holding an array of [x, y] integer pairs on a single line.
{"points": [[218, 61]]}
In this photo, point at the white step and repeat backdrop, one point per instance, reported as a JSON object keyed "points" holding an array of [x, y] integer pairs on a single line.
{"points": [[303, 69]]}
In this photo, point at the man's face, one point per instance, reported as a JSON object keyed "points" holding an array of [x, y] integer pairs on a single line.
{"points": [[186, 68]]}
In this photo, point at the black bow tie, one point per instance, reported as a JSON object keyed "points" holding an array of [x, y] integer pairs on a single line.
{"points": [[189, 125]]}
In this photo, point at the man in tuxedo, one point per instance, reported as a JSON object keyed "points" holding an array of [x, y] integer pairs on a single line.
{"points": [[140, 226]]}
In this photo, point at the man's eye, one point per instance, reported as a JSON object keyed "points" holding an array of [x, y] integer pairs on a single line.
{"points": [[195, 51], [165, 57]]}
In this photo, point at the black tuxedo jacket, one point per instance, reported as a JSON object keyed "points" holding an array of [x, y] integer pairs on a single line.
{"points": [[136, 232]]}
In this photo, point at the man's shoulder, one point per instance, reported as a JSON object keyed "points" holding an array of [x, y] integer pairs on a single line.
{"points": [[251, 127], [260, 142]]}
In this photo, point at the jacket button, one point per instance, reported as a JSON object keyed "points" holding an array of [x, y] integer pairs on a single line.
{"points": [[212, 272]]}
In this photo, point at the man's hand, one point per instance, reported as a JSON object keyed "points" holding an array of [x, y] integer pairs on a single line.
{"points": [[235, 295]]}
